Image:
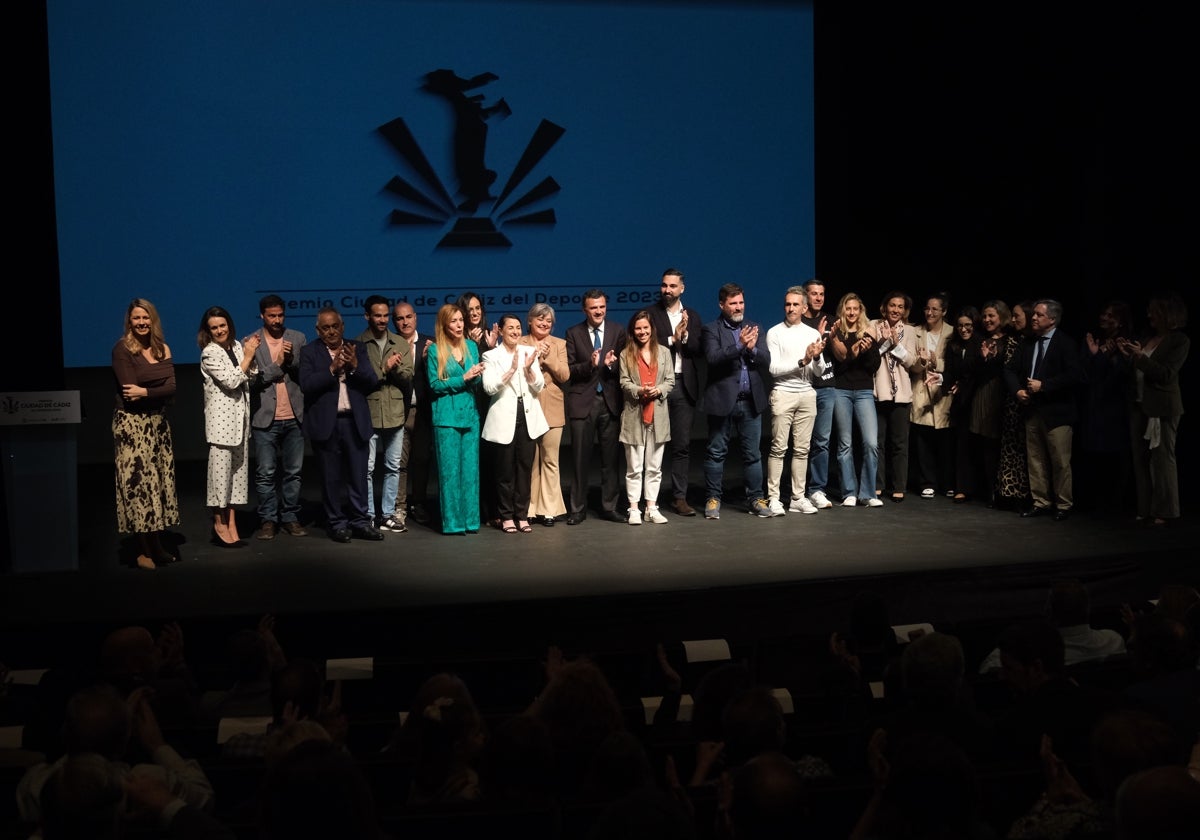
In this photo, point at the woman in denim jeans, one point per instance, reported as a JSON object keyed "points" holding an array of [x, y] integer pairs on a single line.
{"points": [[855, 360]]}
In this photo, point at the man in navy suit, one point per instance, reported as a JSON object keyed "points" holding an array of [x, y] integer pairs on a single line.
{"points": [[735, 399], [336, 376], [1043, 376], [594, 404], [678, 329]]}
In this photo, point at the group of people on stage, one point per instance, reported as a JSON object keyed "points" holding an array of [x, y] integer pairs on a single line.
{"points": [[987, 401]]}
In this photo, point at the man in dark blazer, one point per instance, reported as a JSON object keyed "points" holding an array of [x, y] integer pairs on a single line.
{"points": [[735, 398], [335, 376], [678, 329], [276, 417], [594, 405], [417, 451], [1043, 376]]}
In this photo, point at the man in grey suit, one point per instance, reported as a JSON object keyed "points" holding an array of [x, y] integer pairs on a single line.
{"points": [[276, 412]]}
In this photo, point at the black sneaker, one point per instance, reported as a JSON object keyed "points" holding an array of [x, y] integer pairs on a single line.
{"points": [[392, 524]]}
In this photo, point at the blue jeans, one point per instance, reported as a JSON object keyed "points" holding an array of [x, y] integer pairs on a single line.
{"points": [[818, 450], [279, 451], [392, 443], [850, 409], [744, 422]]}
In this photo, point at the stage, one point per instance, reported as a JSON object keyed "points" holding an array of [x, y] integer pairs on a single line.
{"points": [[597, 584]]}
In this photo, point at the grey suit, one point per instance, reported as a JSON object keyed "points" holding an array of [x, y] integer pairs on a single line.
{"points": [[278, 444]]}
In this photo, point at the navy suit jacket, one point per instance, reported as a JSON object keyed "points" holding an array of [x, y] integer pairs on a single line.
{"points": [[320, 389], [725, 360], [584, 377], [1061, 373], [690, 350]]}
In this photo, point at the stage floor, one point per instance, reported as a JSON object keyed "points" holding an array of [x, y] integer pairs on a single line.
{"points": [[960, 560]]}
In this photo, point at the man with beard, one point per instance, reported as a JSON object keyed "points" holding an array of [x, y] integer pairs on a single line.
{"points": [[277, 409], [678, 329], [734, 399], [818, 451]]}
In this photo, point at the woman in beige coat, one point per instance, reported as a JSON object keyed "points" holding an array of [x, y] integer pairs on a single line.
{"points": [[931, 398], [647, 376], [546, 498], [895, 341], [225, 366]]}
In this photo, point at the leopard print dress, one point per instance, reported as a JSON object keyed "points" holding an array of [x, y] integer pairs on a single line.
{"points": [[1012, 477], [143, 451]]}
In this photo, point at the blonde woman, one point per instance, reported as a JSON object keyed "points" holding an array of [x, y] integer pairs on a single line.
{"points": [[455, 374], [647, 375], [855, 361], [143, 451]]}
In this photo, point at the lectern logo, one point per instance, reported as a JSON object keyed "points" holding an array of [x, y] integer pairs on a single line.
{"points": [[478, 214]]}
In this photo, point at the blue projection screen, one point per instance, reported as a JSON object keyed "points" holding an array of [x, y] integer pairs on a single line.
{"points": [[209, 152]]}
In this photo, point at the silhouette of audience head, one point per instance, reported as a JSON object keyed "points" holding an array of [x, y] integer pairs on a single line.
{"points": [[444, 733], [931, 668], [619, 767], [317, 790], [518, 761], [1068, 604], [84, 797], [299, 683], [768, 799], [1127, 742], [712, 694], [248, 659], [1162, 803], [753, 724], [1031, 652], [580, 709], [932, 789], [128, 658], [1161, 645], [97, 721], [285, 739]]}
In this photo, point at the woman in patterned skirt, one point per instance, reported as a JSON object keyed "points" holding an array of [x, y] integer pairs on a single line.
{"points": [[143, 453], [225, 365]]}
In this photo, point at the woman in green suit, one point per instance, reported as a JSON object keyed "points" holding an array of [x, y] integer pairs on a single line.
{"points": [[454, 378]]}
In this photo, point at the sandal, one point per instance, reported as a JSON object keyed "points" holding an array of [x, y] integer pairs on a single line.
{"points": [[897, 497], [508, 526], [524, 527]]}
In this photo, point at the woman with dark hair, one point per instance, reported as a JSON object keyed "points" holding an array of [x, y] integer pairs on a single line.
{"points": [[1156, 407], [143, 452], [647, 376], [995, 415], [1102, 433], [225, 366], [476, 331], [855, 360], [934, 442], [896, 342], [513, 379], [962, 357], [455, 373]]}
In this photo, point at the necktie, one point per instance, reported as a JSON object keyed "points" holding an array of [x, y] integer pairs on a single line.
{"points": [[596, 346], [1038, 353]]}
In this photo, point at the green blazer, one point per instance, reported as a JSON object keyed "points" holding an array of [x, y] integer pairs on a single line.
{"points": [[453, 398]]}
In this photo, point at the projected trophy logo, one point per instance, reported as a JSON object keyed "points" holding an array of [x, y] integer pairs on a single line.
{"points": [[478, 214]]}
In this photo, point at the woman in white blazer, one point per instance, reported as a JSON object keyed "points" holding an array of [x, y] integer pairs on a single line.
{"points": [[647, 376], [513, 379], [226, 367]]}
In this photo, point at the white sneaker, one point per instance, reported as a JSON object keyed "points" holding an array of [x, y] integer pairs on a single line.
{"points": [[776, 508], [654, 517], [802, 505], [875, 502], [849, 501], [635, 516], [820, 501]]}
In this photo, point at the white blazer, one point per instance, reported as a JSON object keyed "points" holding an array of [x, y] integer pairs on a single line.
{"points": [[501, 422], [226, 396]]}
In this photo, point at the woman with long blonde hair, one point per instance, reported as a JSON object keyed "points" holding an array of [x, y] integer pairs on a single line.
{"points": [[855, 360], [454, 377], [143, 450]]}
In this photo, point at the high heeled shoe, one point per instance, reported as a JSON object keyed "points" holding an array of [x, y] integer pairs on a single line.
{"points": [[222, 543]]}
